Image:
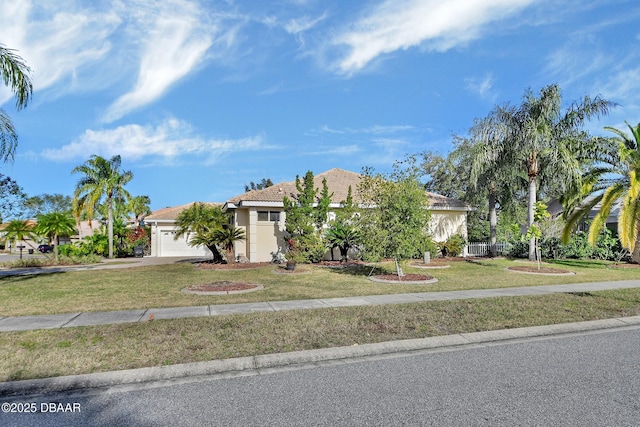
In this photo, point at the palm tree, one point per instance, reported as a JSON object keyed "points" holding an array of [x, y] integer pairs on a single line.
{"points": [[343, 236], [227, 237], [547, 142], [615, 178], [53, 225], [15, 74], [492, 168], [198, 223], [139, 207], [18, 230], [102, 179]]}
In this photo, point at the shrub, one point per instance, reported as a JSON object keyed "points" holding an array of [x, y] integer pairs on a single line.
{"points": [[453, 246]]}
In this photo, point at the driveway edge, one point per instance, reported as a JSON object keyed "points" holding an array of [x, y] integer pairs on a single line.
{"points": [[270, 361]]}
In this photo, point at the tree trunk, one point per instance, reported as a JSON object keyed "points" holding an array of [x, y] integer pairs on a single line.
{"points": [[530, 217], [110, 225], [56, 239], [635, 254], [493, 225], [217, 256]]}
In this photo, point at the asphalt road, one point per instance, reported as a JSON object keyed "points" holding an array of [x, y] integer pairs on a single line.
{"points": [[590, 379]]}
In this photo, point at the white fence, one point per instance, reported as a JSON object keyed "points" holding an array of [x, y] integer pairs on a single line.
{"points": [[482, 248]]}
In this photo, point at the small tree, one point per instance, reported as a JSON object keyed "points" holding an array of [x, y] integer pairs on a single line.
{"points": [[304, 220], [53, 225], [198, 224], [395, 220], [227, 237], [18, 230]]}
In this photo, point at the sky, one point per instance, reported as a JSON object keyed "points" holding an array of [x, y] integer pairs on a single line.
{"points": [[200, 97]]}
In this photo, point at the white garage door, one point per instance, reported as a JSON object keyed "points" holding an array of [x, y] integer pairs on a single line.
{"points": [[179, 247]]}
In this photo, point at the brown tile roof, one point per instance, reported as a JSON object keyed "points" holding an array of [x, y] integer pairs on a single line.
{"points": [[171, 213], [338, 181]]}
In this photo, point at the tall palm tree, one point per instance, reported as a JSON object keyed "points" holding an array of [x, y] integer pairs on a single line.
{"points": [[547, 142], [101, 179], [15, 74], [616, 178], [53, 225], [226, 237], [199, 223], [18, 230], [492, 168]]}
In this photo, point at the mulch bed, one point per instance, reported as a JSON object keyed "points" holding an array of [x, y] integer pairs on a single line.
{"points": [[535, 270], [405, 278], [223, 286]]}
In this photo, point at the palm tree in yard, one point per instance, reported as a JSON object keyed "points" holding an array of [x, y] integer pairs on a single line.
{"points": [[547, 143], [54, 225], [18, 230], [15, 75], [102, 179], [615, 179], [199, 223], [492, 168], [226, 237]]}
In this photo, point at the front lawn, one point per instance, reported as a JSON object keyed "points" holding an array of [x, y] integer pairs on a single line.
{"points": [[159, 286]]}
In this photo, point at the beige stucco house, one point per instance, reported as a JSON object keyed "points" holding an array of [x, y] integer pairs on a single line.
{"points": [[260, 213]]}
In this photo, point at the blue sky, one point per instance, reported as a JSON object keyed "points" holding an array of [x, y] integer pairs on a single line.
{"points": [[201, 97]]}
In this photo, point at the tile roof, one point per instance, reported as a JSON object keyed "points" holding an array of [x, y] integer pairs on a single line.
{"points": [[171, 213], [338, 181]]}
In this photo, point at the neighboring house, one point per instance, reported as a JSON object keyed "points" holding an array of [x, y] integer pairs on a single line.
{"points": [[84, 229], [260, 214], [163, 232]]}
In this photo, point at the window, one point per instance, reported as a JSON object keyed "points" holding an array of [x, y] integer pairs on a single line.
{"points": [[268, 216]]}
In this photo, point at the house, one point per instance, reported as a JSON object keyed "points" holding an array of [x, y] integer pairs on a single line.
{"points": [[260, 214], [163, 232]]}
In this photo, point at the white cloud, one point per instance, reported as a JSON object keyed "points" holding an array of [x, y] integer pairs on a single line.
{"points": [[432, 24], [482, 87], [169, 140], [174, 43], [56, 42]]}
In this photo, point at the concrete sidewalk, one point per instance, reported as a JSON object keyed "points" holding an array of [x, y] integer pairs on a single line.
{"points": [[68, 320]]}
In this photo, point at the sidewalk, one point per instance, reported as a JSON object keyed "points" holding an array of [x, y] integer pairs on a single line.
{"points": [[69, 320]]}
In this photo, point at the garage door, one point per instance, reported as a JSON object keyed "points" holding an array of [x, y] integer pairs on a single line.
{"points": [[179, 247]]}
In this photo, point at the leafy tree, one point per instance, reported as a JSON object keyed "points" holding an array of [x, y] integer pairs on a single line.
{"points": [[47, 203], [616, 178], [15, 74], [139, 207], [12, 198], [395, 220], [304, 220], [102, 180], [199, 223], [18, 230], [226, 237], [53, 225], [547, 143], [264, 183]]}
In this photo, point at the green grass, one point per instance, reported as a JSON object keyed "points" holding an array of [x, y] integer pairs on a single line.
{"points": [[48, 353], [159, 286]]}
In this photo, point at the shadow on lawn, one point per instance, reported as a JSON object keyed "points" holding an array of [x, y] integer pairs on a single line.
{"points": [[358, 270], [22, 276], [581, 263]]}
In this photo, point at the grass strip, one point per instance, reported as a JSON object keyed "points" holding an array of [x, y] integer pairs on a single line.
{"points": [[160, 286], [49, 353]]}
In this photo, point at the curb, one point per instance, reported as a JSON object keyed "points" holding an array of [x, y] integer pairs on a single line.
{"points": [[278, 360]]}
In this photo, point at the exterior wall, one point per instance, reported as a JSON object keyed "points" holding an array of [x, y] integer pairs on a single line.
{"points": [[444, 224], [241, 217]]}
